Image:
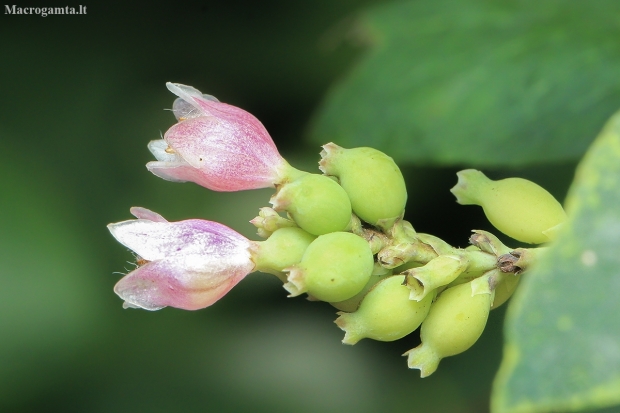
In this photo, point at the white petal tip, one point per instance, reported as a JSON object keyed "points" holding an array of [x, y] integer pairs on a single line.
{"points": [[143, 213], [163, 152], [127, 305], [183, 91]]}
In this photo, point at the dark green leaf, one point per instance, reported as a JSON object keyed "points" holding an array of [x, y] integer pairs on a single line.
{"points": [[480, 82], [562, 349]]}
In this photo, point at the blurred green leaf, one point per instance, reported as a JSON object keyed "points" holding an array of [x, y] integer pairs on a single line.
{"points": [[50, 294], [479, 82], [562, 349]]}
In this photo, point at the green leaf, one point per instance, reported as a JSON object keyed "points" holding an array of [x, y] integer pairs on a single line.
{"points": [[50, 295], [480, 82], [562, 350]]}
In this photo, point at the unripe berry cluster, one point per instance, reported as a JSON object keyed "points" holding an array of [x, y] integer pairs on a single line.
{"points": [[338, 237]]}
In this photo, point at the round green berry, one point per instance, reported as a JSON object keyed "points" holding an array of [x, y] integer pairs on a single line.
{"points": [[335, 267], [386, 313], [504, 289], [317, 204], [379, 273], [372, 179], [517, 207], [284, 248], [454, 323]]}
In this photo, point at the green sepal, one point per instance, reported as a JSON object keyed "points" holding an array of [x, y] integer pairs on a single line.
{"points": [[438, 272], [488, 242], [268, 221]]}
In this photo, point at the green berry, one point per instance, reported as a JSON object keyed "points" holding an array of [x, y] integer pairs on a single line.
{"points": [[504, 289], [454, 323], [372, 179], [517, 207], [284, 248], [379, 273], [386, 313], [317, 204], [335, 267]]}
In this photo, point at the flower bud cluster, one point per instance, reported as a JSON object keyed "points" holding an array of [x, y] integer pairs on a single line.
{"points": [[338, 237]]}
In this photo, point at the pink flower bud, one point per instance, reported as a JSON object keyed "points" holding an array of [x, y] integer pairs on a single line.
{"points": [[187, 264], [216, 145]]}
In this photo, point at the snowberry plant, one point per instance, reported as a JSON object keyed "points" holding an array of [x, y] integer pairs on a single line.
{"points": [[336, 235]]}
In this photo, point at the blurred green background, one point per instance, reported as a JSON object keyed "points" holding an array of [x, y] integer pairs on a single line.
{"points": [[81, 98]]}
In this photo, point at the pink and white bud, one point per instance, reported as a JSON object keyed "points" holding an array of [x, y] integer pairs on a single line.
{"points": [[216, 145], [188, 264]]}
